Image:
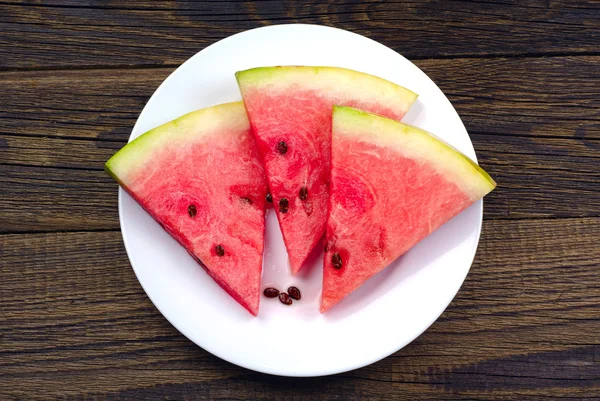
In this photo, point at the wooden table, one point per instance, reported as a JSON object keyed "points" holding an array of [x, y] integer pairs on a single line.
{"points": [[523, 75]]}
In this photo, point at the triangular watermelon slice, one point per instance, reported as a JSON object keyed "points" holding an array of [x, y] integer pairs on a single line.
{"points": [[391, 185], [290, 113], [200, 177]]}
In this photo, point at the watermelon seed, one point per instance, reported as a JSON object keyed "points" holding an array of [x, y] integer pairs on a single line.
{"points": [[269, 197], [283, 205], [246, 200], [192, 210], [282, 147], [303, 194], [271, 292], [294, 293], [285, 299], [220, 250], [336, 261]]}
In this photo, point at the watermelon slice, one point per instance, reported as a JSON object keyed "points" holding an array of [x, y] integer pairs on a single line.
{"points": [[391, 185], [200, 178], [290, 113]]}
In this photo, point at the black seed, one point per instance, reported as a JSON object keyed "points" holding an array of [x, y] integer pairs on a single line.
{"points": [[303, 194], [269, 197], [283, 205], [220, 250], [282, 147], [192, 210], [246, 200], [271, 292], [294, 293], [285, 298], [336, 261]]}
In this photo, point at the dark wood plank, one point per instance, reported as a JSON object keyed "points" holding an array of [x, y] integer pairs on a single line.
{"points": [[526, 97], [76, 323], [535, 97], [56, 152], [540, 177], [547, 170], [97, 104], [65, 33], [48, 199], [59, 184]]}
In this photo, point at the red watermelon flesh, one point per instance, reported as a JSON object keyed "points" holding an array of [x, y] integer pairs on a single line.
{"points": [[200, 178], [391, 185], [290, 113]]}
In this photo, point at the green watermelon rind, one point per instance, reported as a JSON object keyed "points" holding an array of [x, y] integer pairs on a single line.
{"points": [[380, 130], [330, 81], [140, 150]]}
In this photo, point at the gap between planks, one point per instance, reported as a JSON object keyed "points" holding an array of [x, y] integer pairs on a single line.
{"points": [[108, 67]]}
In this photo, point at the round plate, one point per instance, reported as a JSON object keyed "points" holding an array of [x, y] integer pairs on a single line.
{"points": [[382, 316]]}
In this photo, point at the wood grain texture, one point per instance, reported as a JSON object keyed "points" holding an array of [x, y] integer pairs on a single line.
{"points": [[524, 77], [68, 190], [540, 141], [96, 104], [48, 199], [66, 33], [525, 325], [541, 97]]}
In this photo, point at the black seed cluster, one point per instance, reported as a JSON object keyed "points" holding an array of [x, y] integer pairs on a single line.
{"points": [[286, 298]]}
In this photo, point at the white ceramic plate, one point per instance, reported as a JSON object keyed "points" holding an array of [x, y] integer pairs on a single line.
{"points": [[386, 313]]}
